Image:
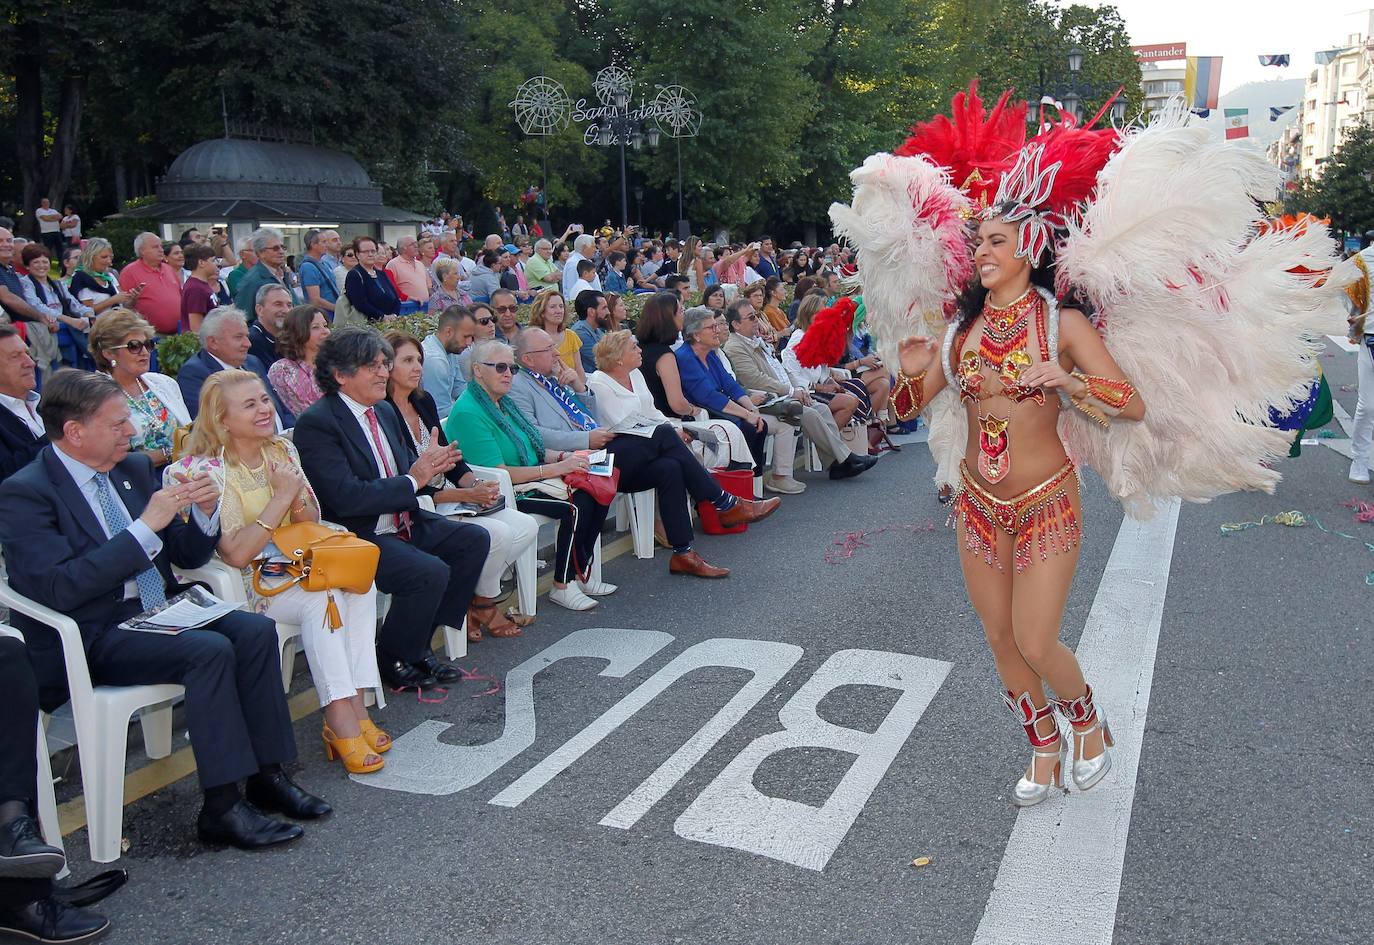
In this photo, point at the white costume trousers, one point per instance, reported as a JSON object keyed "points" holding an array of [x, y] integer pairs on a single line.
{"points": [[1362, 431]]}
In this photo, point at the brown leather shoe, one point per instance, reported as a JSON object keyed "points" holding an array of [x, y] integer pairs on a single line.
{"points": [[693, 564], [746, 512]]}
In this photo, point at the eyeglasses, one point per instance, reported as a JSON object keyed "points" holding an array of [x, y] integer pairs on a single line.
{"points": [[541, 350], [485, 321], [274, 247], [507, 308], [136, 347], [379, 366], [500, 367]]}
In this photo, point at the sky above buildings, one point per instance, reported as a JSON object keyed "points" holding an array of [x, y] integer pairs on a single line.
{"points": [[1241, 31]]}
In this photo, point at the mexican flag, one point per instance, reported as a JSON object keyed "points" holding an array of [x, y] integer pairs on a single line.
{"points": [[1237, 123]]}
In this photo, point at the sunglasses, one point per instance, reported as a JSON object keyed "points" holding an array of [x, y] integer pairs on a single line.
{"points": [[507, 308], [500, 367], [485, 321], [137, 347]]}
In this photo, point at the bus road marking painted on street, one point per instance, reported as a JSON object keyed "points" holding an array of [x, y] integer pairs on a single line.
{"points": [[1078, 843]]}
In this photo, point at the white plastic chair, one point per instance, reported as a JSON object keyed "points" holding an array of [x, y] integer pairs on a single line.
{"points": [[227, 584], [102, 715], [47, 798], [526, 566], [635, 514]]}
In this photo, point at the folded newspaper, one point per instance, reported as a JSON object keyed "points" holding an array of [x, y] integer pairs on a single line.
{"points": [[469, 508], [194, 607], [636, 424]]}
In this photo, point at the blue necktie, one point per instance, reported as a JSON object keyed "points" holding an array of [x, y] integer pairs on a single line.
{"points": [[152, 592]]}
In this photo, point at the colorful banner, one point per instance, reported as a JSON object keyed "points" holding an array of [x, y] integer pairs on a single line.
{"points": [[1282, 60], [1237, 123], [1160, 52], [1202, 81], [1277, 111]]}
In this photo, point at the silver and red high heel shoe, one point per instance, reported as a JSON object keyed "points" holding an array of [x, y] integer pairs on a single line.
{"points": [[1085, 718], [1029, 791]]}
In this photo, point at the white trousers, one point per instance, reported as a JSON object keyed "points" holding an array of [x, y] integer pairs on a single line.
{"points": [[512, 533], [784, 445], [1362, 431], [341, 661]]}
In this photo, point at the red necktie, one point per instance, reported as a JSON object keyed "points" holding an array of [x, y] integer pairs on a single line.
{"points": [[402, 518]]}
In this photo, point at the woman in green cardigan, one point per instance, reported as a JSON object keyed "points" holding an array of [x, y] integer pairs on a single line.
{"points": [[491, 431]]}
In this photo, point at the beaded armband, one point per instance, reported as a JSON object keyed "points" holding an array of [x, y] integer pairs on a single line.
{"points": [[1102, 397], [909, 396]]}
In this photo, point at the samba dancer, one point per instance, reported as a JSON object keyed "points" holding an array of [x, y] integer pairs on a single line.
{"points": [[1157, 231]]}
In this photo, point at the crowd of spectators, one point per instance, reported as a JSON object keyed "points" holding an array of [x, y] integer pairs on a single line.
{"points": [[310, 399]]}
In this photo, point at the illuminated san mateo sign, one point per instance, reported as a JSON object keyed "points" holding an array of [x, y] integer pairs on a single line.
{"points": [[1161, 52], [542, 107]]}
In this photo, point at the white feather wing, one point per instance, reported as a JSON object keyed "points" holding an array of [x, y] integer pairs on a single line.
{"points": [[1204, 317], [907, 271]]}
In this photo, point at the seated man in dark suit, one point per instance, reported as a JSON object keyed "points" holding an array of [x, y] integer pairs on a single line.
{"points": [[368, 479], [224, 344], [29, 911], [21, 429], [87, 532]]}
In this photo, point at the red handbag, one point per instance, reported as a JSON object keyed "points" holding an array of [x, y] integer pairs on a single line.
{"points": [[600, 488]]}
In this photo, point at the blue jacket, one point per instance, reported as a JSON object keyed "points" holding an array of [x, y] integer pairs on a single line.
{"points": [[707, 385], [57, 554], [191, 378]]}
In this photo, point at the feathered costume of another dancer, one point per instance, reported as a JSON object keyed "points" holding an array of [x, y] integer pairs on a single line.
{"points": [[1207, 313]]}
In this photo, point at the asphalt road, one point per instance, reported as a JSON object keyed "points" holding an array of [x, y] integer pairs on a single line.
{"points": [[1249, 822]]}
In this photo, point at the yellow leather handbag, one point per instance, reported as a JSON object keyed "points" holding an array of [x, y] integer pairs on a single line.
{"points": [[322, 559]]}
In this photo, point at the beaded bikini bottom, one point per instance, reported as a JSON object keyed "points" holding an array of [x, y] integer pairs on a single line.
{"points": [[1041, 518]]}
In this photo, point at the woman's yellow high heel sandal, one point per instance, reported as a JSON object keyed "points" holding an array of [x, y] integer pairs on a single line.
{"points": [[379, 741], [353, 752]]}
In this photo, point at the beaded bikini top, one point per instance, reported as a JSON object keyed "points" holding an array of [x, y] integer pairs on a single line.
{"points": [[1002, 351]]}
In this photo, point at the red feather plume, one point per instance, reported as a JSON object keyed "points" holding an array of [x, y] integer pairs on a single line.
{"points": [[824, 342], [1081, 154], [977, 146]]}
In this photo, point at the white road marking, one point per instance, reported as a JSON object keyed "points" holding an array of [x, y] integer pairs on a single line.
{"points": [[733, 812], [1347, 423], [1060, 877]]}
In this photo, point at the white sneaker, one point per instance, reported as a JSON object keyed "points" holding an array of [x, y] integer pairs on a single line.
{"points": [[1359, 472], [597, 588], [571, 598], [783, 484]]}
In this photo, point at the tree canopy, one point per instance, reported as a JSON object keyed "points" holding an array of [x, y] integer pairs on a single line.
{"points": [[96, 100], [1343, 192]]}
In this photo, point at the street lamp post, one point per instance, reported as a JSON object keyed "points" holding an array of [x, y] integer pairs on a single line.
{"points": [[625, 126], [1071, 95]]}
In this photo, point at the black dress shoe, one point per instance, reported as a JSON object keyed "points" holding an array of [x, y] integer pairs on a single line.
{"points": [[49, 921], [847, 469], [245, 827], [441, 671], [867, 462], [400, 675], [278, 793], [24, 855]]}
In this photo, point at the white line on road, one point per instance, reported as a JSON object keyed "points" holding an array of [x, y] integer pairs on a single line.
{"points": [[1061, 874]]}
